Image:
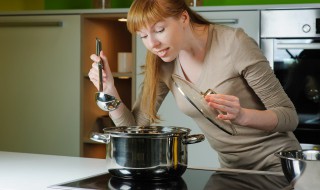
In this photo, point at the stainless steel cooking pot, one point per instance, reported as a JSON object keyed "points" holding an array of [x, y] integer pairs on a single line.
{"points": [[301, 168], [147, 152]]}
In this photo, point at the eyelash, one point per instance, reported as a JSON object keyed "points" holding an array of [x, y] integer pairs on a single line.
{"points": [[160, 30], [156, 32]]}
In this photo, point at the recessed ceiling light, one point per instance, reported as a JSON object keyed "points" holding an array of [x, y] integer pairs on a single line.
{"points": [[122, 20]]}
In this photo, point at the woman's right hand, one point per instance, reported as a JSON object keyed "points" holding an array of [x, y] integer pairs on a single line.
{"points": [[107, 78]]}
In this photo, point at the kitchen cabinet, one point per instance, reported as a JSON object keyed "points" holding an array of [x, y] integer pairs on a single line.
{"points": [[40, 89], [249, 21], [200, 154], [115, 38], [48, 105]]}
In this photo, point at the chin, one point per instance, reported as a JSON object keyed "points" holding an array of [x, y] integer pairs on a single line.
{"points": [[167, 59]]}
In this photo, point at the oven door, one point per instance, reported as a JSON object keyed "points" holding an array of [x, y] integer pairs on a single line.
{"points": [[296, 63]]}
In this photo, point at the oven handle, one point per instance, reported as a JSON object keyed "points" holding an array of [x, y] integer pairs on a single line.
{"points": [[224, 21], [32, 24], [298, 46]]}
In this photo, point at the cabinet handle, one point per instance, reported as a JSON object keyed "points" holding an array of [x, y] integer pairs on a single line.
{"points": [[298, 46], [224, 21], [32, 24]]}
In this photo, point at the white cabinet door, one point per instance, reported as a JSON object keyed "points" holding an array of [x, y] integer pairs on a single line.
{"points": [[40, 84], [200, 154], [249, 21]]}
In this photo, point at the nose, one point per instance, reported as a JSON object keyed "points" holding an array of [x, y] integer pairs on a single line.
{"points": [[153, 42]]}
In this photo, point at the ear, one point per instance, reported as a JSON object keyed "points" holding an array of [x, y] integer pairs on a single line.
{"points": [[185, 18]]}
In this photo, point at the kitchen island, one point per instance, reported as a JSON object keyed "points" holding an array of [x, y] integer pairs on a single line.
{"points": [[39, 172], [23, 171]]}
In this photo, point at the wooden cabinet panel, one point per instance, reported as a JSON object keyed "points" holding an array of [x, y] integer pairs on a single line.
{"points": [[115, 38]]}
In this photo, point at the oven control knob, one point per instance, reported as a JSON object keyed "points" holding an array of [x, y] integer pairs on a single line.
{"points": [[306, 28]]}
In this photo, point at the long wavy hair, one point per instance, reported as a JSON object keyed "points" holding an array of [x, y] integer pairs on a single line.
{"points": [[143, 13]]}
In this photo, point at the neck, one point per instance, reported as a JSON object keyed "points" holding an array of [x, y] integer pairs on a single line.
{"points": [[197, 39]]}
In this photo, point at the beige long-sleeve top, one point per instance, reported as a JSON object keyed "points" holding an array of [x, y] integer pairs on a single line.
{"points": [[233, 65]]}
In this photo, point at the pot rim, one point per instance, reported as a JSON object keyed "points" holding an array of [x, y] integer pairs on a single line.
{"points": [[280, 154], [146, 131]]}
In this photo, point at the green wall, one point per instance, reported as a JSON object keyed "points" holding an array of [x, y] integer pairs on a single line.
{"points": [[255, 2], [82, 4], [14, 5], [67, 4], [88, 4], [85, 4]]}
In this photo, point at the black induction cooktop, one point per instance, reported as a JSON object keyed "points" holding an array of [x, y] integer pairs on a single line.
{"points": [[192, 179]]}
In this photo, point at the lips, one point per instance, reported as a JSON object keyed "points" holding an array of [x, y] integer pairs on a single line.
{"points": [[162, 53]]}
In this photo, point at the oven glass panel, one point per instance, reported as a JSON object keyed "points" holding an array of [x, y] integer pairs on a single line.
{"points": [[297, 66]]}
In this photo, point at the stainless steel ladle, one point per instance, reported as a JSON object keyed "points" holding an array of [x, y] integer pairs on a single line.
{"points": [[105, 102]]}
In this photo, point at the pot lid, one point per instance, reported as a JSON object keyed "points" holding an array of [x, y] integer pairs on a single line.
{"points": [[196, 98], [152, 131]]}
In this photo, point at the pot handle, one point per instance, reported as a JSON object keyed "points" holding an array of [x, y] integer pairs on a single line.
{"points": [[100, 137], [191, 139]]}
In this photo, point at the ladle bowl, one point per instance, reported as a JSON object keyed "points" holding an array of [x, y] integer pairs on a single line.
{"points": [[106, 102]]}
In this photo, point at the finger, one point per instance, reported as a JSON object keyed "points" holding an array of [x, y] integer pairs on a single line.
{"points": [[95, 58], [226, 100], [212, 97], [94, 74], [105, 62], [220, 107], [225, 117], [95, 66]]}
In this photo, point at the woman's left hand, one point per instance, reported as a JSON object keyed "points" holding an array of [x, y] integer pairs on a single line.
{"points": [[228, 106]]}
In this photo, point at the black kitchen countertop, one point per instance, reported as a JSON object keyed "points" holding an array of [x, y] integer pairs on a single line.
{"points": [[192, 179]]}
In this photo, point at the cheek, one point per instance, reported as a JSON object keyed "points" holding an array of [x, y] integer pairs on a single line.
{"points": [[145, 43], [174, 37]]}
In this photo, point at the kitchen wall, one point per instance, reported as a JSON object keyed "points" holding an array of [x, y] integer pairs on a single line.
{"points": [[255, 2], [14, 5], [53, 4], [82, 4]]}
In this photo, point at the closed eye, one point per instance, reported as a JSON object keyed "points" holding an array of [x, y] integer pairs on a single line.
{"points": [[143, 36], [161, 30]]}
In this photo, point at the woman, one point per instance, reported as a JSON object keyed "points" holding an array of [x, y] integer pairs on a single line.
{"points": [[221, 58]]}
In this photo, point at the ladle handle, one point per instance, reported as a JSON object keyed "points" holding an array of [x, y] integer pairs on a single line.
{"points": [[100, 66]]}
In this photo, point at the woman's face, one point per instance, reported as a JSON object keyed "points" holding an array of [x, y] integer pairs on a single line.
{"points": [[165, 38]]}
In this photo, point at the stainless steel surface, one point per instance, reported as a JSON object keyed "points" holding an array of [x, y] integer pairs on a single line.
{"points": [[305, 146], [289, 23], [196, 98], [224, 21], [100, 66], [147, 152], [301, 168], [290, 40], [286, 24], [105, 102]]}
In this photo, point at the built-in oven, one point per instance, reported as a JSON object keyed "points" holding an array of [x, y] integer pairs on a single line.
{"points": [[290, 39]]}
